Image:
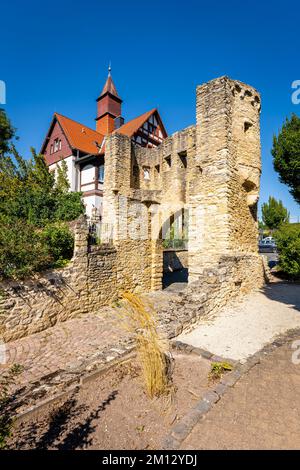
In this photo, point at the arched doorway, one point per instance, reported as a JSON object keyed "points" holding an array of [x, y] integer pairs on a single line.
{"points": [[174, 236]]}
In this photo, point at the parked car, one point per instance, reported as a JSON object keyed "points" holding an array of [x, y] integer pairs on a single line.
{"points": [[267, 245], [269, 239]]}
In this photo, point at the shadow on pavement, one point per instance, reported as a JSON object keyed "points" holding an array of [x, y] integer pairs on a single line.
{"points": [[176, 280], [65, 429], [284, 292]]}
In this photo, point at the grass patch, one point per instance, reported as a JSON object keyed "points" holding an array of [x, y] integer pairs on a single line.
{"points": [[217, 369]]}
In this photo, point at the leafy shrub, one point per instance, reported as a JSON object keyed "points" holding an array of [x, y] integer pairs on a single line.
{"points": [[21, 249], [288, 245], [24, 249], [33, 209], [59, 241], [274, 213], [69, 206]]}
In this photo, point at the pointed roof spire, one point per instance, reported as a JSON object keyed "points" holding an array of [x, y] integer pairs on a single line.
{"points": [[109, 86]]}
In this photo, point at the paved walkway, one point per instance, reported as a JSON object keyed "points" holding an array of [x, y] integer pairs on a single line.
{"points": [[70, 344], [262, 411], [236, 332], [62, 346], [243, 328]]}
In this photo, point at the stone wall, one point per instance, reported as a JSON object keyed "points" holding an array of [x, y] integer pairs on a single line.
{"points": [[95, 277], [215, 287], [228, 157]]}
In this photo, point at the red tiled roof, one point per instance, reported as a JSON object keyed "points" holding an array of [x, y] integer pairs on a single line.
{"points": [[132, 126], [109, 87], [80, 136], [84, 138]]}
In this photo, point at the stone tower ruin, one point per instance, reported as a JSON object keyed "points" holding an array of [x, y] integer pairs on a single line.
{"points": [[204, 179]]}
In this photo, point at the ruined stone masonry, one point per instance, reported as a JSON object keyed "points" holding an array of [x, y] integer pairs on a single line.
{"points": [[202, 182]]}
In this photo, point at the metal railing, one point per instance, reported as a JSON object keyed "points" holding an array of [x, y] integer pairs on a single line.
{"points": [[100, 233], [175, 244]]}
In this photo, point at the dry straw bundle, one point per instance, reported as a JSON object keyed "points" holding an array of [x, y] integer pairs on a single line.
{"points": [[140, 319]]}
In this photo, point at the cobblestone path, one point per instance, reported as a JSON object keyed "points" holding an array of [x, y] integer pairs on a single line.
{"points": [[262, 411]]}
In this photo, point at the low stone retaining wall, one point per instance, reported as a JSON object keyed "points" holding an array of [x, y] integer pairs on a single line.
{"points": [[94, 278], [38, 303], [174, 260], [233, 276]]}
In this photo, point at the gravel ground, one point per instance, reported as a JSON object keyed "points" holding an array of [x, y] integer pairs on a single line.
{"points": [[114, 412], [241, 329]]}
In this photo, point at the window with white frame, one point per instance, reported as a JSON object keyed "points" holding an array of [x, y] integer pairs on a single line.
{"points": [[56, 145], [101, 174], [87, 174]]}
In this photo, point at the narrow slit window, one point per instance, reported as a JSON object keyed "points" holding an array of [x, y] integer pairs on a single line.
{"points": [[183, 159], [168, 161], [146, 171]]}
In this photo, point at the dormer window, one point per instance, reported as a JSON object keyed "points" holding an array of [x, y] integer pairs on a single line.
{"points": [[56, 145]]}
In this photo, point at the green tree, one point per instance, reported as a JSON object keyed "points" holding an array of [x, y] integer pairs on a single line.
{"points": [[69, 206], [274, 213], [286, 155], [26, 188], [7, 132], [22, 251], [33, 213], [288, 244], [62, 182]]}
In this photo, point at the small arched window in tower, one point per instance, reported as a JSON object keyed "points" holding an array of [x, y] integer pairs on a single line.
{"points": [[168, 162], [59, 144], [51, 148], [247, 126]]}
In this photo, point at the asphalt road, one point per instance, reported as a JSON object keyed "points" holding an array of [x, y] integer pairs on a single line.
{"points": [[272, 258]]}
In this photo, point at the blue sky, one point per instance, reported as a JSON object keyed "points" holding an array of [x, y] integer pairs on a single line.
{"points": [[54, 57]]}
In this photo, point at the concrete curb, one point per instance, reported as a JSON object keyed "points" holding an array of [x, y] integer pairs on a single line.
{"points": [[71, 380], [187, 348]]}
